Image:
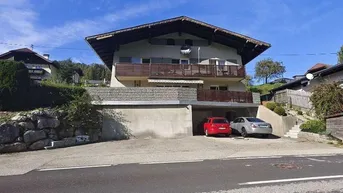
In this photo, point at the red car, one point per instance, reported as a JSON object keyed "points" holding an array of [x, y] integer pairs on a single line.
{"points": [[217, 125]]}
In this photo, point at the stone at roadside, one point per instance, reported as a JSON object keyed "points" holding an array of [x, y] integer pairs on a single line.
{"points": [[33, 136], [57, 144], [69, 141], [53, 134], [314, 137], [28, 125], [40, 144], [19, 139], [66, 132], [80, 132], [82, 139], [14, 147], [19, 118], [43, 122], [8, 133]]}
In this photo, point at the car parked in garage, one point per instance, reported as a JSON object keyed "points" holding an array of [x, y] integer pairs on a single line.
{"points": [[251, 125], [216, 126]]}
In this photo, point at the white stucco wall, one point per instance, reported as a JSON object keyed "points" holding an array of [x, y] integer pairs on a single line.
{"points": [[152, 121], [143, 49]]}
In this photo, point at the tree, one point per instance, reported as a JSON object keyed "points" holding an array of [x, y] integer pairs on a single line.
{"points": [[340, 56], [248, 80], [267, 69]]}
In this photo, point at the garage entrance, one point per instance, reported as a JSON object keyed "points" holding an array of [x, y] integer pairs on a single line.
{"points": [[200, 114]]}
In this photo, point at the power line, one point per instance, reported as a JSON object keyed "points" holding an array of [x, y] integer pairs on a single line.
{"points": [[84, 49]]}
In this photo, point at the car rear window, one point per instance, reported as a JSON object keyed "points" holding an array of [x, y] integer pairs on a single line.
{"points": [[252, 119], [220, 121]]}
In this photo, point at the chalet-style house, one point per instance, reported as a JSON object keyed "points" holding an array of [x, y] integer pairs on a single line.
{"points": [[40, 67], [167, 76]]}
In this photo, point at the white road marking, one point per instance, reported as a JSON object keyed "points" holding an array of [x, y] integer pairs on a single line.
{"points": [[76, 167], [170, 162], [258, 157], [317, 160], [292, 180]]}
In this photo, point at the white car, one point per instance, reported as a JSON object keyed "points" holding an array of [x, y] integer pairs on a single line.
{"points": [[251, 125]]}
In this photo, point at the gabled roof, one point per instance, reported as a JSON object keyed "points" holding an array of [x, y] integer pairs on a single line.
{"points": [[320, 73], [317, 67], [105, 44], [27, 51]]}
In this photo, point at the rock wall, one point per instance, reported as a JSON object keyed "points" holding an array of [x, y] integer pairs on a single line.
{"points": [[39, 129], [334, 125]]}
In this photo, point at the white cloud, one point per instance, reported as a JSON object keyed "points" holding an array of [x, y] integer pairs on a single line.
{"points": [[19, 21]]}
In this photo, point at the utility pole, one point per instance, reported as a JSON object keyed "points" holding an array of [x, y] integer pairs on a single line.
{"points": [[32, 47]]}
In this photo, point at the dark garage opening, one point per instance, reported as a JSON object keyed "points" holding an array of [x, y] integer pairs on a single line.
{"points": [[200, 114]]}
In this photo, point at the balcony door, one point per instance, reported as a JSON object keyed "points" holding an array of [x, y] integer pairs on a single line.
{"points": [[185, 64]]}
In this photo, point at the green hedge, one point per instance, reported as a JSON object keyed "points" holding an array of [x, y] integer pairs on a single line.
{"points": [[313, 126], [271, 105], [38, 96], [280, 111]]}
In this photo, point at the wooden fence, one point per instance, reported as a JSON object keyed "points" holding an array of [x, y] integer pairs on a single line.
{"points": [[296, 98]]}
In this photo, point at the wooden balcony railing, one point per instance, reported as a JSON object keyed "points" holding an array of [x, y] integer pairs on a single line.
{"points": [[179, 70], [224, 96]]}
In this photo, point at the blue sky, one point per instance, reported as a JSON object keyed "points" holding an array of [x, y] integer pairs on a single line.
{"points": [[300, 27]]}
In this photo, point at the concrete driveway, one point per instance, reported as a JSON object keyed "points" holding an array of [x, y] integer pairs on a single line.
{"points": [[150, 151]]}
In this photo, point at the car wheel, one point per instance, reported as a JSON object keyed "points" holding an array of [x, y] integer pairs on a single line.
{"points": [[244, 132], [206, 133]]}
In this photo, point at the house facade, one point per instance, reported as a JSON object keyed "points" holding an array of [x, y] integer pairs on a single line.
{"points": [[40, 67], [180, 70]]}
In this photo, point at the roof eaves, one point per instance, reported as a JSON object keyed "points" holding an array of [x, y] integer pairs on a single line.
{"points": [[182, 18]]}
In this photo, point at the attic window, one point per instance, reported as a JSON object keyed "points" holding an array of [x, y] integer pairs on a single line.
{"points": [[189, 42], [170, 41]]}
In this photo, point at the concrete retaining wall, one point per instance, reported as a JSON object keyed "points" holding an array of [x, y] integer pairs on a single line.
{"points": [[281, 124], [334, 125], [141, 122], [142, 94]]}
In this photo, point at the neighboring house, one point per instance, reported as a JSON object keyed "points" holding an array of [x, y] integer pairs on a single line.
{"points": [[321, 72], [77, 74], [174, 73], [298, 91], [40, 67]]}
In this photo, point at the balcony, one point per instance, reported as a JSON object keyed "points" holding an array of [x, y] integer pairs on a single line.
{"points": [[224, 96], [179, 70]]}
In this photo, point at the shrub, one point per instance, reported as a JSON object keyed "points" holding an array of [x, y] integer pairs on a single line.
{"points": [[327, 99], [313, 126], [271, 105], [280, 111], [14, 84], [81, 114]]}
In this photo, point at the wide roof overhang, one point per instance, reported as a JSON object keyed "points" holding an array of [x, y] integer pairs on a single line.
{"points": [[107, 43]]}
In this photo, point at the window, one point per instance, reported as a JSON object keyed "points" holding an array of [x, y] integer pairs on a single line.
{"points": [[136, 60], [222, 87], [170, 41], [146, 60], [175, 61], [184, 61], [252, 119], [241, 120], [220, 121], [124, 59], [189, 42], [218, 87], [232, 61], [237, 120]]}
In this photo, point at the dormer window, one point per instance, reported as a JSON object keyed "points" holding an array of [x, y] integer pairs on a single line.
{"points": [[170, 41], [189, 42]]}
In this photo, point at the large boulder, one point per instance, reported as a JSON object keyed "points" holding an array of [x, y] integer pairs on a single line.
{"points": [[28, 125], [66, 132], [40, 144], [52, 134], [20, 118], [8, 133], [79, 132], [14, 147], [33, 136], [43, 122]]}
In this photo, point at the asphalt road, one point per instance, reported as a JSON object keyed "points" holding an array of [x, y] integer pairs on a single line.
{"points": [[237, 175]]}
